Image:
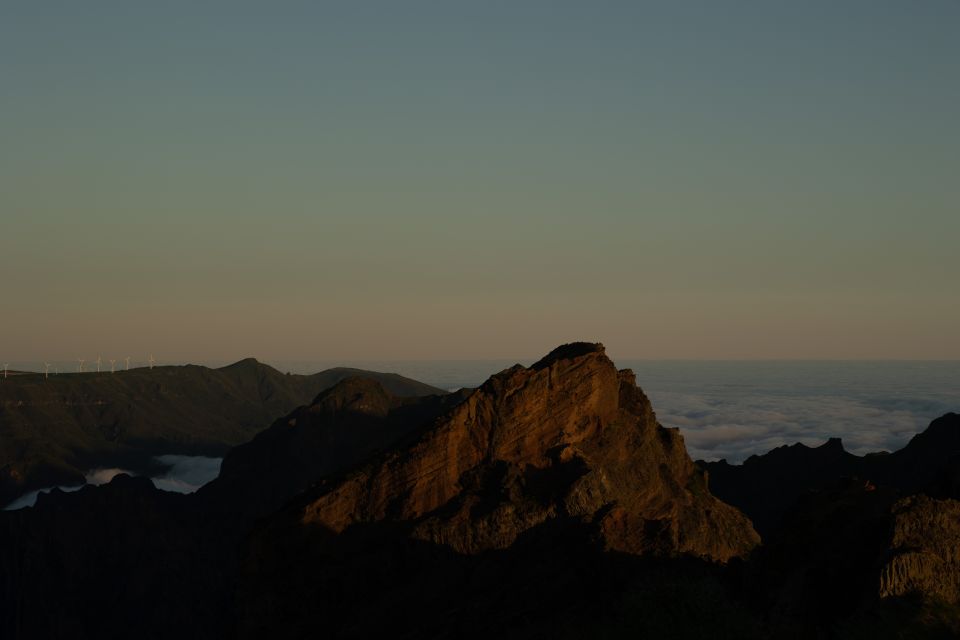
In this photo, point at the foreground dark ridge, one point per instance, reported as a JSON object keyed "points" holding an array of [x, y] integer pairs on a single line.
{"points": [[53, 430]]}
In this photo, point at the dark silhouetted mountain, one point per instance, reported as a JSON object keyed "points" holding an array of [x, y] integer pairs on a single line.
{"points": [[54, 430], [857, 560], [342, 427], [766, 486]]}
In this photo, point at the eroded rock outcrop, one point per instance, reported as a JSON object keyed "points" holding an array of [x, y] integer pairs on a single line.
{"points": [[924, 552], [859, 557]]}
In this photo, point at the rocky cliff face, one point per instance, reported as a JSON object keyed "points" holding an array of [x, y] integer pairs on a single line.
{"points": [[536, 502], [924, 551], [569, 437], [514, 509], [859, 557]]}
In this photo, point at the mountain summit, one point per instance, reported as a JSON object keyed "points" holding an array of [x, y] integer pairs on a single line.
{"points": [[556, 476], [568, 437]]}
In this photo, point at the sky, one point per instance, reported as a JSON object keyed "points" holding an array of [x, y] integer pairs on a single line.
{"points": [[207, 181]]}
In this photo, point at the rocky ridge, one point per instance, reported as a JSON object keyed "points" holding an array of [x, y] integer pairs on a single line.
{"points": [[569, 437], [549, 502], [556, 474]]}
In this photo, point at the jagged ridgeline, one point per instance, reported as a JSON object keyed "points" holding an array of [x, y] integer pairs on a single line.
{"points": [[514, 508], [52, 430], [526, 503], [548, 502]]}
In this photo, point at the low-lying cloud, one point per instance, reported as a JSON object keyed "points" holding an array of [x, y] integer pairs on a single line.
{"points": [[30, 499], [736, 409], [742, 425], [185, 474], [98, 477]]}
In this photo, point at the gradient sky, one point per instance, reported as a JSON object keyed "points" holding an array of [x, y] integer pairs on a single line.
{"points": [[378, 180]]}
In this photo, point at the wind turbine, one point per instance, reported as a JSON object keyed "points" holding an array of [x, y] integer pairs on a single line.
{"points": [[128, 363], [80, 368], [98, 364], [151, 361], [46, 370], [5, 365], [112, 362]]}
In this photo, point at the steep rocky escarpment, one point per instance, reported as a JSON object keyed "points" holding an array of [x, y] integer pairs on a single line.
{"points": [[546, 501], [924, 550], [569, 437], [563, 459], [859, 560]]}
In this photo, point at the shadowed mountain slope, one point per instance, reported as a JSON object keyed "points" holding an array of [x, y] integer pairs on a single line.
{"points": [[766, 486], [53, 430], [343, 426]]}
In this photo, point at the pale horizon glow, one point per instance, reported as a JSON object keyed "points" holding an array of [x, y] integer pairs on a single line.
{"points": [[418, 181]]}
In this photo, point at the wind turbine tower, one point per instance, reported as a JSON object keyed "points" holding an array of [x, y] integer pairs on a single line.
{"points": [[80, 368], [128, 362], [46, 370], [5, 365], [151, 361], [98, 364], [112, 362]]}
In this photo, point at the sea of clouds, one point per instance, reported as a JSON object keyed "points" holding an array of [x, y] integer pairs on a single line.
{"points": [[733, 410]]}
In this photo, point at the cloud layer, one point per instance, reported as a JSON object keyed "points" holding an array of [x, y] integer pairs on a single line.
{"points": [[734, 410], [187, 473]]}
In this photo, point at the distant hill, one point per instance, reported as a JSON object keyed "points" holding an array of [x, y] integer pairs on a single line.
{"points": [[52, 430]]}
